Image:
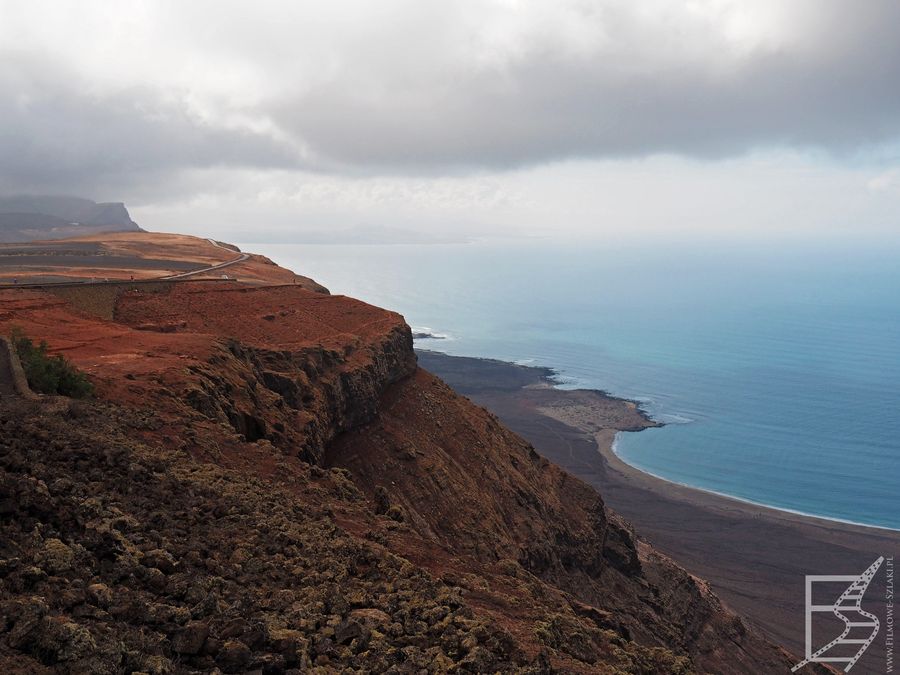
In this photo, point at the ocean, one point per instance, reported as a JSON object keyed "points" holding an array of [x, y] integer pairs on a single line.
{"points": [[776, 368]]}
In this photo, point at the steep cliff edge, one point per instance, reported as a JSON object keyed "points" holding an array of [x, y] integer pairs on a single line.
{"points": [[270, 482], [296, 368], [503, 518]]}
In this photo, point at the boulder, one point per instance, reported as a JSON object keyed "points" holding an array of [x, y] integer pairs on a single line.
{"points": [[190, 639], [233, 657], [55, 557]]}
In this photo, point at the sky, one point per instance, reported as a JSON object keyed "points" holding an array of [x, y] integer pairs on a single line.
{"points": [[419, 120]]}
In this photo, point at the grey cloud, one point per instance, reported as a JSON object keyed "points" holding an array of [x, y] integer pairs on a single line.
{"points": [[414, 99], [58, 134], [839, 91]]}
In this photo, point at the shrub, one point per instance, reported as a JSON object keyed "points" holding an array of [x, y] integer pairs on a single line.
{"points": [[49, 374]]}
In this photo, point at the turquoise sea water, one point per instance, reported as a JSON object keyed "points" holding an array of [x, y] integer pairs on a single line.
{"points": [[777, 368]]}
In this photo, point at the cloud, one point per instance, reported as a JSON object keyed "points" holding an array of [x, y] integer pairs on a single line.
{"points": [[885, 181], [699, 84], [113, 97], [57, 134]]}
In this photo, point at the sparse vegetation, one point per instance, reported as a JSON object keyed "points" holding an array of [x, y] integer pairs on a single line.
{"points": [[49, 374]]}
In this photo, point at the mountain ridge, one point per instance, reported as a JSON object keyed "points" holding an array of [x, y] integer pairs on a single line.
{"points": [[33, 217]]}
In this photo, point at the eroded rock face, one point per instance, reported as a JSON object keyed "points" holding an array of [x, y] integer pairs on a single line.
{"points": [[505, 518], [298, 400], [296, 369]]}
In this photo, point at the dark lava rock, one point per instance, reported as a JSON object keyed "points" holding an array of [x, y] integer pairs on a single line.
{"points": [[190, 639], [233, 657]]}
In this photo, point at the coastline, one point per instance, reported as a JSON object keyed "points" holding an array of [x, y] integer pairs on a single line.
{"points": [[608, 449], [754, 556]]}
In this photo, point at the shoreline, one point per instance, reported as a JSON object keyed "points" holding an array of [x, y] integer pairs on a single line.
{"points": [[550, 379], [617, 462], [754, 556]]}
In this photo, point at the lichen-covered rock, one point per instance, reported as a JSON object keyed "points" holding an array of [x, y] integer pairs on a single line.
{"points": [[280, 587], [55, 557], [371, 617], [160, 560], [64, 640], [100, 595], [233, 657]]}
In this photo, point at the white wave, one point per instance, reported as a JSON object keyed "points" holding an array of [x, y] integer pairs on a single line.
{"points": [[429, 333], [672, 418]]}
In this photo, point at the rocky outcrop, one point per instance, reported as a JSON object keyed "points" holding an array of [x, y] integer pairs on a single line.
{"points": [[299, 400]]}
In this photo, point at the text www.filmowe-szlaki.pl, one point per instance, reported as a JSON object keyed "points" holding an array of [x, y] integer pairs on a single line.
{"points": [[889, 614]]}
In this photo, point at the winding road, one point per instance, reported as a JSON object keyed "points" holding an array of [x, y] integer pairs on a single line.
{"points": [[212, 268], [171, 277]]}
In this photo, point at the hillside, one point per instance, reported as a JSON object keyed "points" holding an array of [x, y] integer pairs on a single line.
{"points": [[35, 218], [267, 480]]}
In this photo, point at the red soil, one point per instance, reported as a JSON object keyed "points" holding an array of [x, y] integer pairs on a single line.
{"points": [[285, 317]]}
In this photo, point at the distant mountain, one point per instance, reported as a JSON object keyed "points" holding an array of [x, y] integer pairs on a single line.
{"points": [[29, 218]]}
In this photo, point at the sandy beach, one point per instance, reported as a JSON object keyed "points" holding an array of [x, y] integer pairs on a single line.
{"points": [[754, 557]]}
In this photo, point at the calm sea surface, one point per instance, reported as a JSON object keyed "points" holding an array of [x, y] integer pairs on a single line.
{"points": [[777, 369]]}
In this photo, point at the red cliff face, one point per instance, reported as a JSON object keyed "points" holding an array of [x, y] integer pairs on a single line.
{"points": [[290, 366], [317, 399]]}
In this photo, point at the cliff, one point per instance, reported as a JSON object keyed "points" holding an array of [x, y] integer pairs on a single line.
{"points": [[268, 481], [32, 218]]}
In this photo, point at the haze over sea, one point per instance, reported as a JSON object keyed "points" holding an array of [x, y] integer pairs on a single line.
{"points": [[776, 368]]}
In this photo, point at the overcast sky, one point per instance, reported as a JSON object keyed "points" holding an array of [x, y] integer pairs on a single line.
{"points": [[274, 119]]}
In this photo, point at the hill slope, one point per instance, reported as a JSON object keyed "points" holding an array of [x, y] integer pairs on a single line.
{"points": [[269, 481]]}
